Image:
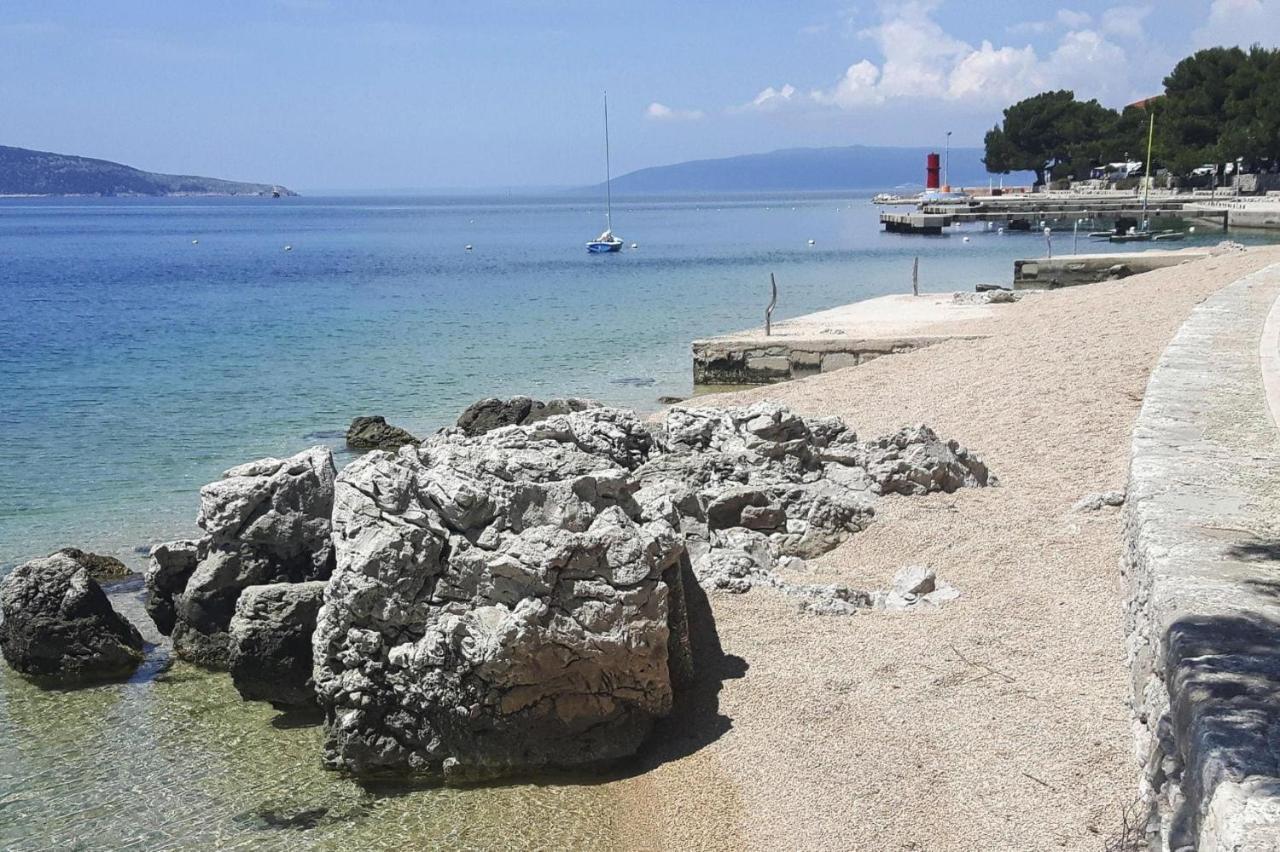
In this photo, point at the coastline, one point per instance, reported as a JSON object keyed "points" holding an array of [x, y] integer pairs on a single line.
{"points": [[1000, 721]]}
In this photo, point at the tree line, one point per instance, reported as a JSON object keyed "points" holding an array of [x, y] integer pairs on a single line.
{"points": [[1220, 105]]}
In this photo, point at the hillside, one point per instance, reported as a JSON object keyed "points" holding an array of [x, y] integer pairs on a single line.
{"points": [[853, 167], [27, 172]]}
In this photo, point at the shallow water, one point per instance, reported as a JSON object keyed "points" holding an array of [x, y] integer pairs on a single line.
{"points": [[176, 760]]}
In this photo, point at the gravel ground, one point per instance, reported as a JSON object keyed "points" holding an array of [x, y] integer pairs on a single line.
{"points": [[999, 721]]}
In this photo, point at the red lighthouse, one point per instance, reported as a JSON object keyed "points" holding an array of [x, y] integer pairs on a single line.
{"points": [[933, 168]]}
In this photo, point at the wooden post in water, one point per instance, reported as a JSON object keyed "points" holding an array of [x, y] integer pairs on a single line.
{"points": [[915, 276], [768, 312]]}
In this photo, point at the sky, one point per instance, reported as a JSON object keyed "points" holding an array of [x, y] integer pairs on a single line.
{"points": [[381, 95]]}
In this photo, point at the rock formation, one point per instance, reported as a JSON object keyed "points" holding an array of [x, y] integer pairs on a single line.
{"points": [[756, 489], [510, 600], [265, 522], [488, 414], [57, 624], [375, 433], [104, 569], [270, 643], [498, 604]]}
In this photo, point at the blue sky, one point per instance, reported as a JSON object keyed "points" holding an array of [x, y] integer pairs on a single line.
{"points": [[325, 94]]}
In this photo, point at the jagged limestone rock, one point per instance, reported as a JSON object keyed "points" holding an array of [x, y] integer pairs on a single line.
{"points": [[498, 605], [172, 564], [56, 624], [375, 433], [914, 460], [270, 643], [267, 521]]}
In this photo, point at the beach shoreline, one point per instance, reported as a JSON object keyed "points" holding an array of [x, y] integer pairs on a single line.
{"points": [[1000, 721]]}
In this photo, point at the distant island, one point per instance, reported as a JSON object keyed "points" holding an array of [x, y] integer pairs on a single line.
{"points": [[26, 172], [808, 169]]}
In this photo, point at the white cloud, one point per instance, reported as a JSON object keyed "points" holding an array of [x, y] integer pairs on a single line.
{"points": [[857, 87], [921, 61], [1240, 22], [992, 74], [1125, 21], [1064, 19], [771, 99], [662, 112]]}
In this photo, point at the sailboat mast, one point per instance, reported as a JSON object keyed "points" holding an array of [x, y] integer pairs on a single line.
{"points": [[1146, 189], [608, 176]]}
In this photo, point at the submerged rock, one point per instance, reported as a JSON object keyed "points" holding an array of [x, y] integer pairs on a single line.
{"points": [[104, 569], [493, 413], [266, 522], [375, 433], [499, 604], [57, 624], [270, 643]]}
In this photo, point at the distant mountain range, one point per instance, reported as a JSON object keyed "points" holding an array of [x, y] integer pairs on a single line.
{"points": [[27, 172], [852, 167]]}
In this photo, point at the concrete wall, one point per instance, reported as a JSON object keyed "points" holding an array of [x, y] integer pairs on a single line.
{"points": [[1069, 270], [721, 362], [1203, 569]]}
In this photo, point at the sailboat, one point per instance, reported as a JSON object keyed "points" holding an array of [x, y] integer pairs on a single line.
{"points": [[607, 241], [1143, 232]]}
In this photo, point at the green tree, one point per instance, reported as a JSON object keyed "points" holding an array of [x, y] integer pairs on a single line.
{"points": [[1050, 134], [1220, 106]]}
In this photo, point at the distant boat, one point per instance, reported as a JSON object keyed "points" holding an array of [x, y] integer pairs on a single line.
{"points": [[606, 242]]}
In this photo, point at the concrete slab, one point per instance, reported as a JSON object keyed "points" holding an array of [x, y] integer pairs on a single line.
{"points": [[833, 339], [1070, 270]]}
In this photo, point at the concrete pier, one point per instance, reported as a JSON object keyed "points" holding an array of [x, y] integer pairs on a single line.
{"points": [[1026, 212], [835, 338], [1074, 269]]}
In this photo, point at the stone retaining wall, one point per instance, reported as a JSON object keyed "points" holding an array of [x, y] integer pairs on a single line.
{"points": [[1203, 567], [762, 362]]}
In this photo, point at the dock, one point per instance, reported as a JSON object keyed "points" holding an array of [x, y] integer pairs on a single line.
{"points": [[1028, 212], [840, 337]]}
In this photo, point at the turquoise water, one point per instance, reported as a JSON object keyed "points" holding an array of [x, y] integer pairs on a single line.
{"points": [[136, 364]]}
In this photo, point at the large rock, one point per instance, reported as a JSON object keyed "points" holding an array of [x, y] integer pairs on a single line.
{"points": [[488, 414], [270, 654], [57, 624], [104, 569], [265, 522], [172, 564], [375, 433], [498, 605]]}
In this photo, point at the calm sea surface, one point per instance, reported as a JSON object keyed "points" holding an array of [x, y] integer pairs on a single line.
{"points": [[145, 346]]}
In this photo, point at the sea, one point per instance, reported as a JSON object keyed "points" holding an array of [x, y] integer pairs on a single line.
{"points": [[146, 345]]}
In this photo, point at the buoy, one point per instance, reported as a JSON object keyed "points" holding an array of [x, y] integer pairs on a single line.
{"points": [[468, 246], [195, 242], [813, 242], [1191, 230], [966, 239]]}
